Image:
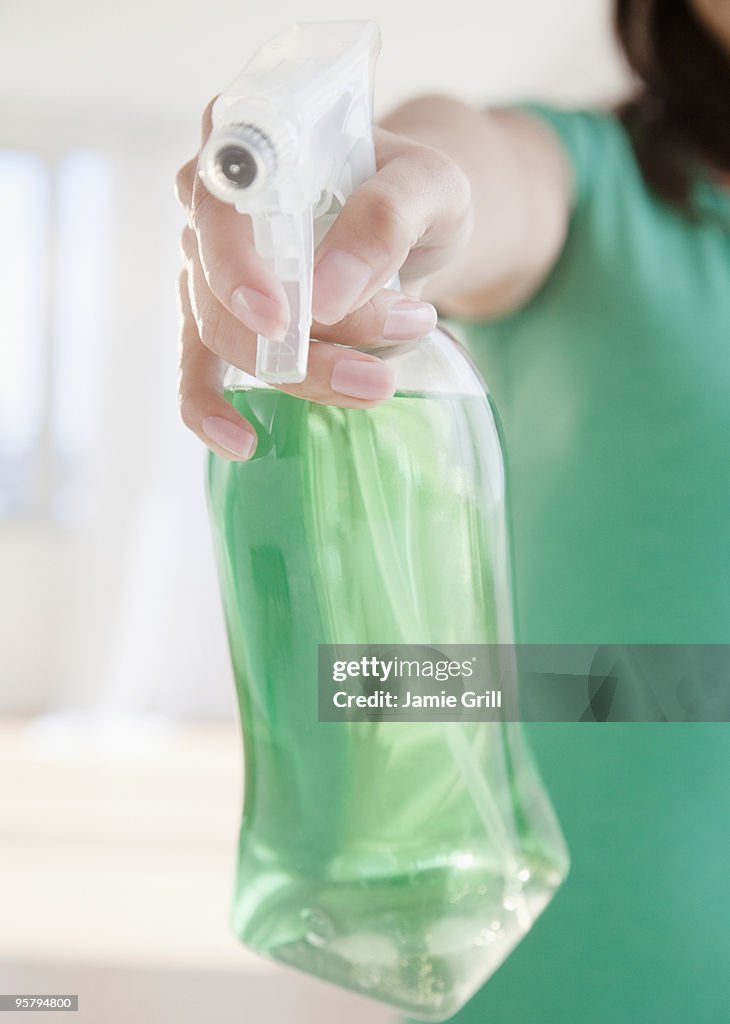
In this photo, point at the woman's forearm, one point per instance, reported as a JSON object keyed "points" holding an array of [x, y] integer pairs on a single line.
{"points": [[520, 201]]}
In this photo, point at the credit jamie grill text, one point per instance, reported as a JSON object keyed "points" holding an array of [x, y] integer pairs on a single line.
{"points": [[413, 683], [524, 682]]}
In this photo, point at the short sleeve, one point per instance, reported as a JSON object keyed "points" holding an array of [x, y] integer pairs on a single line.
{"points": [[586, 137]]}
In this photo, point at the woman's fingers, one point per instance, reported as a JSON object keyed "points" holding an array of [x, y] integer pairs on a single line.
{"points": [[413, 211], [418, 198], [389, 316], [337, 375], [228, 258], [184, 184], [202, 405], [235, 273], [211, 338]]}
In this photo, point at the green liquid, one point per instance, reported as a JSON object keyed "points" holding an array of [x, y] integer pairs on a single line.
{"points": [[374, 855]]}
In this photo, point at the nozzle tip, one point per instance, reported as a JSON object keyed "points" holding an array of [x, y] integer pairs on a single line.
{"points": [[237, 165]]}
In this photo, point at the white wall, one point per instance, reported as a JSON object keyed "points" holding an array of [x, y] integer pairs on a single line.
{"points": [[126, 612], [159, 59]]}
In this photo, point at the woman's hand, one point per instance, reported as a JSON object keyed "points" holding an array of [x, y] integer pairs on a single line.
{"points": [[412, 216]]}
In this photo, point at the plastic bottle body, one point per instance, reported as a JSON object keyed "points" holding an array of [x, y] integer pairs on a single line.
{"points": [[401, 860]]}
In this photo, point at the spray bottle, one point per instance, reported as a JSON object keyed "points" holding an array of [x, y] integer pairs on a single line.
{"points": [[401, 860]]}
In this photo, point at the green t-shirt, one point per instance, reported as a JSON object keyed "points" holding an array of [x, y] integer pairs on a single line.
{"points": [[613, 388]]}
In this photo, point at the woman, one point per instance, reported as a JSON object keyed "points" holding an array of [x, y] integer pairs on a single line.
{"points": [[587, 257]]}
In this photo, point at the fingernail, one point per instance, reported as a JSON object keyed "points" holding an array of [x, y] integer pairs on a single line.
{"points": [[259, 312], [409, 319], [360, 378], [339, 281], [228, 435]]}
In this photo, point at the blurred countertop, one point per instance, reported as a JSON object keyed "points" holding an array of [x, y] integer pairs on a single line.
{"points": [[117, 851], [117, 841]]}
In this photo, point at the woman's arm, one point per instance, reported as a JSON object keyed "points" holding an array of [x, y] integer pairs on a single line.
{"points": [[520, 186]]}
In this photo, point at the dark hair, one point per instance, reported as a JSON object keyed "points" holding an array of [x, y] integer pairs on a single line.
{"points": [[679, 121]]}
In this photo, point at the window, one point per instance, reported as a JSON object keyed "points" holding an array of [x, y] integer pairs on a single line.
{"points": [[55, 264]]}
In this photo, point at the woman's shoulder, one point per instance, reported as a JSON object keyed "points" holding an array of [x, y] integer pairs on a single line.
{"points": [[595, 142], [566, 119], [605, 168]]}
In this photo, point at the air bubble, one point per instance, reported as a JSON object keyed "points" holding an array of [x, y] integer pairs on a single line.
{"points": [[485, 937], [320, 928]]}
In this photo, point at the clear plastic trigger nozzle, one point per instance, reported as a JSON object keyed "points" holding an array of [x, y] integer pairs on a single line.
{"points": [[296, 125]]}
